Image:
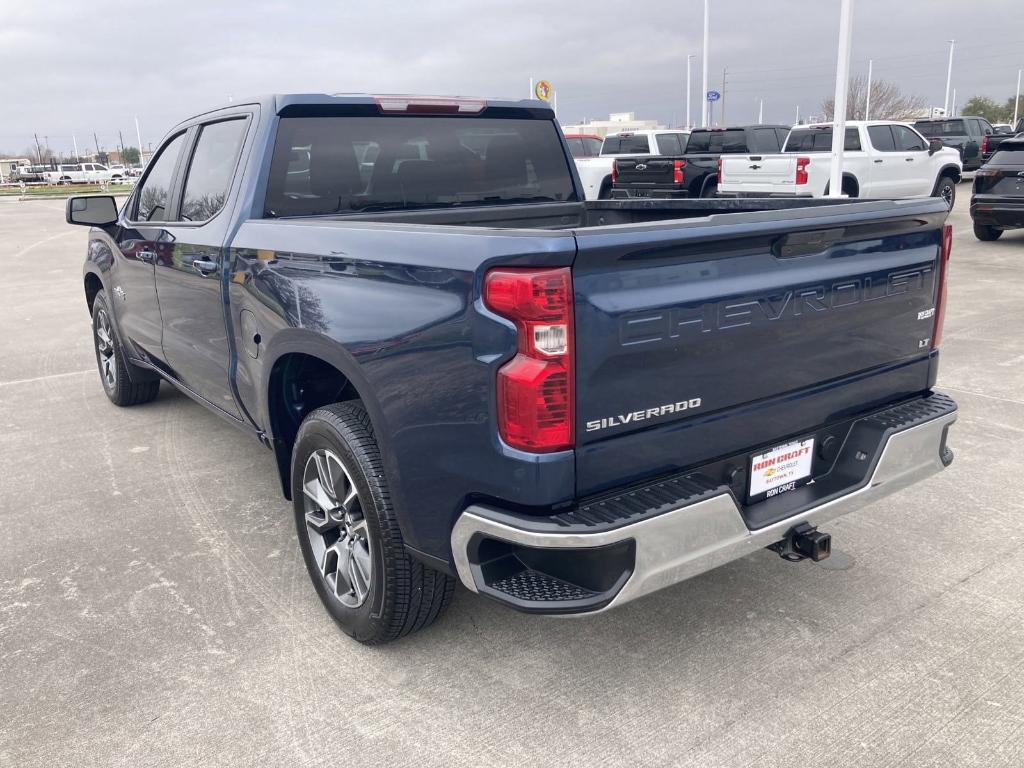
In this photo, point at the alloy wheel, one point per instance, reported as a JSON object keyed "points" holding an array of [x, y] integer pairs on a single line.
{"points": [[105, 350], [336, 527]]}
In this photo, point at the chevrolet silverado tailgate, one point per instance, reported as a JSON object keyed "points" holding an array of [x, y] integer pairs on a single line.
{"points": [[757, 173], [698, 339], [644, 170]]}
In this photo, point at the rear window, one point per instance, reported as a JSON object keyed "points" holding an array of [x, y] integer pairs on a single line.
{"points": [[626, 144], [325, 165], [940, 128], [576, 147], [1013, 156], [671, 143], [820, 140], [727, 141]]}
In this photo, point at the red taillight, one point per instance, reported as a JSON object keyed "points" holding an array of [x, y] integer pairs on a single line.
{"points": [[535, 388], [801, 169], [677, 171], [984, 145], [615, 170], [940, 298], [719, 169]]}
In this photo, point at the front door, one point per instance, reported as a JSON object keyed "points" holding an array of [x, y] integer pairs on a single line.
{"points": [[191, 276], [140, 239]]}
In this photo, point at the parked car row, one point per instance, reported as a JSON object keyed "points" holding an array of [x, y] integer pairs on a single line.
{"points": [[881, 159]]}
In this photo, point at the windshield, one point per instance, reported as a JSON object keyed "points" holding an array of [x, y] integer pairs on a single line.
{"points": [[329, 164]]}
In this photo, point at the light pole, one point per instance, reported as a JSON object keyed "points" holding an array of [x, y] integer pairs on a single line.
{"points": [[949, 76], [867, 103], [138, 135], [689, 57], [952, 107], [835, 184], [704, 65], [760, 113], [1016, 100]]}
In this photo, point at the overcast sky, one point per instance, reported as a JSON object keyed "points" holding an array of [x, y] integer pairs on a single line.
{"points": [[72, 68]]}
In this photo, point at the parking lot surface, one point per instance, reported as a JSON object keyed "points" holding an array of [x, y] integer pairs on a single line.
{"points": [[154, 608]]}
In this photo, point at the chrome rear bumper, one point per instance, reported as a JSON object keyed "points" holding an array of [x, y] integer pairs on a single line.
{"points": [[689, 539]]}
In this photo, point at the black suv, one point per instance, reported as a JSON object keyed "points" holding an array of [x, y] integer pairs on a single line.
{"points": [[997, 203]]}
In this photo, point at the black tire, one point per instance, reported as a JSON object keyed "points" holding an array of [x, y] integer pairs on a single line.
{"points": [[946, 189], [987, 233], [124, 383], [403, 594]]}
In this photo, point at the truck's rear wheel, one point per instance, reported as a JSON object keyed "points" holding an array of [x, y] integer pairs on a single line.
{"points": [[348, 533], [987, 233], [124, 383]]}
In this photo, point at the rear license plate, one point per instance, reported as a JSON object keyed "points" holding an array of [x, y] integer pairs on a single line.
{"points": [[780, 469]]}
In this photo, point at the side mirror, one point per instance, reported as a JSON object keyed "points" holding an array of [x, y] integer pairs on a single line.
{"points": [[91, 211], [934, 145]]}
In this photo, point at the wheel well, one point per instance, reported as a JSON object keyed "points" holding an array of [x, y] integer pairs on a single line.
{"points": [[299, 384], [93, 285], [949, 172], [850, 186]]}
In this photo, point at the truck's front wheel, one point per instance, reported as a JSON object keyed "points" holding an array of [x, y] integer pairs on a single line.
{"points": [[124, 383], [348, 533]]}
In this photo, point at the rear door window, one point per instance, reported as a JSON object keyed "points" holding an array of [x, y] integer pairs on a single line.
{"points": [[155, 190], [593, 146], [212, 167], [576, 147]]}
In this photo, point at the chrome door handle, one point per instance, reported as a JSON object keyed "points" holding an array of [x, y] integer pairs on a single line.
{"points": [[147, 256], [204, 267]]}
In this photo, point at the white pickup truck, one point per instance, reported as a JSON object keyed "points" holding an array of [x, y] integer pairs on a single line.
{"points": [[882, 159], [596, 172], [79, 173]]}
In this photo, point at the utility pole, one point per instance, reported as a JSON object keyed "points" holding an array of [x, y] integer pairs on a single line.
{"points": [[725, 71], [867, 103], [949, 76], [121, 137], [704, 65], [39, 152], [75, 142], [1016, 100], [97, 146], [689, 57], [835, 184]]}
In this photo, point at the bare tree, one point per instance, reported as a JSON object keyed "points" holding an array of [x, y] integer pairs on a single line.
{"points": [[888, 102]]}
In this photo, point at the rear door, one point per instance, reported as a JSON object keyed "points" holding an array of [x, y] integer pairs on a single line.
{"points": [[191, 275], [695, 340], [888, 172]]}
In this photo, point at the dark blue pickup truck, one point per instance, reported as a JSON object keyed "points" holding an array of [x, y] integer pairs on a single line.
{"points": [[467, 372]]}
